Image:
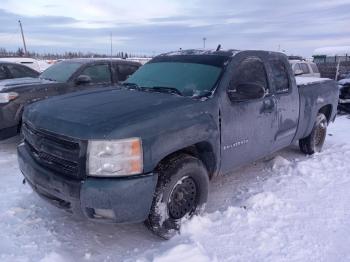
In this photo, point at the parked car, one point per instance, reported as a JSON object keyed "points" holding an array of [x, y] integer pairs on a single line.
{"points": [[304, 68], [65, 77], [146, 151], [13, 70], [344, 94], [29, 62]]}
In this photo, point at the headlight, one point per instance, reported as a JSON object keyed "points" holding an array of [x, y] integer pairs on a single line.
{"points": [[115, 158], [7, 97]]}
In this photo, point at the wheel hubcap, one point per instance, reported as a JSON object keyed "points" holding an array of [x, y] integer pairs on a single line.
{"points": [[320, 134], [183, 198]]}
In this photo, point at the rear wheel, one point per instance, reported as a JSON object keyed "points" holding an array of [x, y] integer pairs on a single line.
{"points": [[181, 193], [314, 142]]}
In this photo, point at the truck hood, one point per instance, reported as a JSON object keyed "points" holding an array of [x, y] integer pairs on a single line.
{"points": [[106, 112], [16, 83]]}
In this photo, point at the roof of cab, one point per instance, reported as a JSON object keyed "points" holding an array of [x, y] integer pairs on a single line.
{"points": [[221, 52], [227, 53], [94, 60]]}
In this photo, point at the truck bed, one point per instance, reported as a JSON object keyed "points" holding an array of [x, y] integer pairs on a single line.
{"points": [[315, 93]]}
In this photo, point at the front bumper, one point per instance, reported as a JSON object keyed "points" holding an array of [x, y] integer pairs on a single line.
{"points": [[9, 120], [130, 199]]}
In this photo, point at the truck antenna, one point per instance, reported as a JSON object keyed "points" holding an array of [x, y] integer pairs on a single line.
{"points": [[111, 38], [24, 41]]}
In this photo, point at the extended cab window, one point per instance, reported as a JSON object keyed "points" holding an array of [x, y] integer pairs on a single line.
{"points": [[280, 76], [250, 71], [98, 73]]}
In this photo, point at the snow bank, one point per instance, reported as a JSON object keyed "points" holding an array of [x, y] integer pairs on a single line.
{"points": [[290, 208], [299, 213], [53, 257], [184, 252]]}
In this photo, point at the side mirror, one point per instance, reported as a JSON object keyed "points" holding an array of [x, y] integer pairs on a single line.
{"points": [[83, 79], [298, 72], [247, 91]]}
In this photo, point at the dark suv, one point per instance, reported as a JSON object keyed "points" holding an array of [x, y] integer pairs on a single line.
{"points": [[65, 77]]}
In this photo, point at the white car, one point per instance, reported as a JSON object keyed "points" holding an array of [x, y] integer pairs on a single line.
{"points": [[304, 68], [30, 62]]}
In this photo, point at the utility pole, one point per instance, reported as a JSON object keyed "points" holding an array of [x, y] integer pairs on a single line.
{"points": [[111, 44], [204, 39], [24, 41]]}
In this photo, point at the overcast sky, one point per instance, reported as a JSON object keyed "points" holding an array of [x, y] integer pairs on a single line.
{"points": [[155, 26]]}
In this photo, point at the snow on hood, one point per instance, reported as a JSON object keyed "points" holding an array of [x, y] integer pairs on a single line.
{"points": [[302, 80], [344, 81], [25, 81]]}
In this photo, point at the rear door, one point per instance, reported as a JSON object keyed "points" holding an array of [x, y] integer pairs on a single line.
{"points": [[287, 99], [247, 128]]}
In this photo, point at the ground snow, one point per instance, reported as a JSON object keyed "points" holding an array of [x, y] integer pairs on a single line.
{"points": [[287, 207]]}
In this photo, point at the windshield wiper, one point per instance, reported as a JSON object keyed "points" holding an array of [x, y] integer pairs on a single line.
{"points": [[132, 86], [46, 78], [166, 89]]}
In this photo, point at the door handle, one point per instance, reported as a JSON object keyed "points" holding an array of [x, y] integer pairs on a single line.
{"points": [[269, 105]]}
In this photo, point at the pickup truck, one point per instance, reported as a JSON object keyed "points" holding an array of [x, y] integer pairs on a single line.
{"points": [[147, 151], [65, 77]]}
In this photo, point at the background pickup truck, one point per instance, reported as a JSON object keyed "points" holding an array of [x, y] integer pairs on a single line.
{"points": [[146, 151], [65, 77]]}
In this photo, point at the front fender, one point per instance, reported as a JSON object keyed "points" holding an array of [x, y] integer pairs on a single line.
{"points": [[181, 135]]}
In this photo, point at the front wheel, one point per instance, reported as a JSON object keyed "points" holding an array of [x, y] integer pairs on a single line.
{"points": [[314, 142], [182, 191]]}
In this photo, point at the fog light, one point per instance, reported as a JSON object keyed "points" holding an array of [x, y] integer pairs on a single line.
{"points": [[104, 213]]}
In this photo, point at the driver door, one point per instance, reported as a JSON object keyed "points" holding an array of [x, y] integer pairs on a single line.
{"points": [[248, 126], [100, 75]]}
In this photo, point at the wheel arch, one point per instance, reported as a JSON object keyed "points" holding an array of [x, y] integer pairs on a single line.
{"points": [[327, 111], [204, 151]]}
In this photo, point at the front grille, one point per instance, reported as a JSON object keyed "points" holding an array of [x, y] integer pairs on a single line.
{"points": [[61, 155]]}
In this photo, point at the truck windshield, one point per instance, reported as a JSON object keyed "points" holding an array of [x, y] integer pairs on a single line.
{"points": [[186, 79], [60, 72]]}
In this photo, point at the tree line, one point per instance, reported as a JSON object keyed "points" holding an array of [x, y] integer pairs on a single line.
{"points": [[66, 55]]}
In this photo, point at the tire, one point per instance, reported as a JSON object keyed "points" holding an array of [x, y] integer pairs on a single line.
{"points": [[181, 193], [314, 142]]}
